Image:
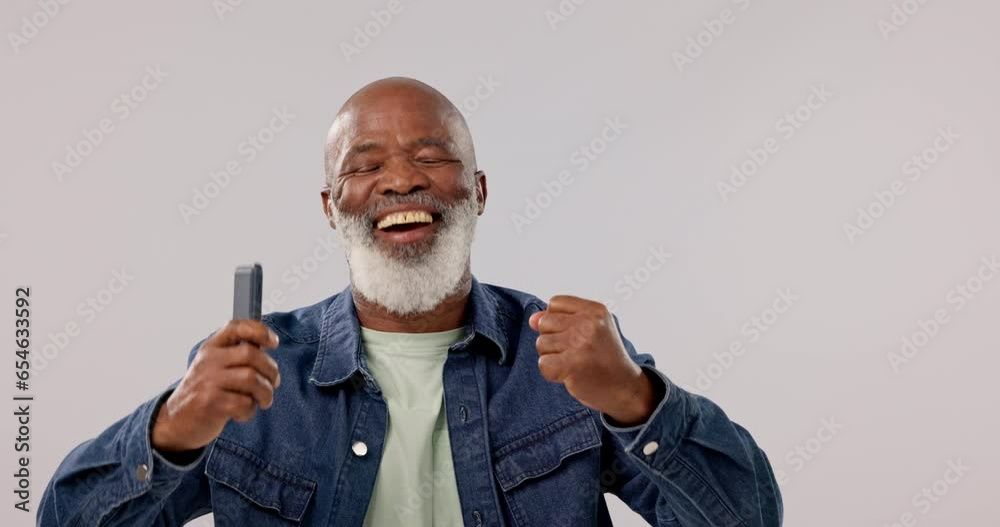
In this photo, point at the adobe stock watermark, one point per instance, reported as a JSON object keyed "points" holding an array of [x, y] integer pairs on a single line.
{"points": [[482, 92], [32, 25], [929, 496], [563, 11], [87, 311], [803, 453], [247, 150], [609, 479], [787, 125], [701, 41], [366, 33], [303, 270], [417, 498], [224, 7], [752, 329], [121, 107], [581, 159], [899, 15], [914, 167], [631, 282], [957, 298]]}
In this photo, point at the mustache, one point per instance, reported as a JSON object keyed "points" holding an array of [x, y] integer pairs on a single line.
{"points": [[423, 198]]}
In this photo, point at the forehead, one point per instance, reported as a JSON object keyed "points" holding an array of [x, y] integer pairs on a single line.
{"points": [[399, 120]]}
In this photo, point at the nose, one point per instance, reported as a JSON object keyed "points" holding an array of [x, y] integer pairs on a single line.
{"points": [[401, 178]]}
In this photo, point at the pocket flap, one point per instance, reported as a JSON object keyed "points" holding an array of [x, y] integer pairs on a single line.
{"points": [[263, 483], [541, 452]]}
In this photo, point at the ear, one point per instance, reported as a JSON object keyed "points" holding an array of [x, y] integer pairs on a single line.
{"points": [[327, 195], [481, 190]]}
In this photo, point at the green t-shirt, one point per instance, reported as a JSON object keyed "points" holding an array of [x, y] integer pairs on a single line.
{"points": [[415, 485]]}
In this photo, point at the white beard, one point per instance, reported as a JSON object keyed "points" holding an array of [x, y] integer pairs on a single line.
{"points": [[418, 277]]}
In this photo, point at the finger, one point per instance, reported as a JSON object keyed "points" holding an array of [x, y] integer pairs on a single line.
{"points": [[533, 320], [254, 331], [551, 322], [553, 367], [247, 354], [247, 381], [567, 304], [546, 344], [236, 405]]}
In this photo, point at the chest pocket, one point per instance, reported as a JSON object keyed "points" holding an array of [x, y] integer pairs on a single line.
{"points": [[551, 476], [247, 490]]}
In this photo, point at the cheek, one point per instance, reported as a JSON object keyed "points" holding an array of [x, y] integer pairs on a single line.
{"points": [[352, 194], [453, 184]]}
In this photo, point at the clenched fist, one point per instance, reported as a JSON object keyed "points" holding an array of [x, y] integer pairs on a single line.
{"points": [[230, 376], [579, 346]]}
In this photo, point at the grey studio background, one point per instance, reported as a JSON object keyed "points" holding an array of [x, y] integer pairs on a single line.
{"points": [[607, 136]]}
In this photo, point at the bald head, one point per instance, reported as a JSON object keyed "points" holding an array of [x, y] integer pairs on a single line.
{"points": [[394, 105]]}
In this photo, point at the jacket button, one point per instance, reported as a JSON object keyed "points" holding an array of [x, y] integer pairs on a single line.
{"points": [[359, 448], [463, 413], [650, 447], [142, 472]]}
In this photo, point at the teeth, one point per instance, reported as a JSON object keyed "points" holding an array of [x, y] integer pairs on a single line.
{"points": [[403, 218]]}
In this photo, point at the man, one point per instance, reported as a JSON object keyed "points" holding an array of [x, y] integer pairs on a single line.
{"points": [[417, 396]]}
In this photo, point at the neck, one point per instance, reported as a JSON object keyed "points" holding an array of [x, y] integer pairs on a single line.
{"points": [[449, 314]]}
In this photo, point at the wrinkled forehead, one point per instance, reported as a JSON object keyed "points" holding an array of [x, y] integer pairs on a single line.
{"points": [[397, 121]]}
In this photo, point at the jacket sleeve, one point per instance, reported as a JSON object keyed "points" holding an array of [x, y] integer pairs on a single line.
{"points": [[688, 465], [118, 478]]}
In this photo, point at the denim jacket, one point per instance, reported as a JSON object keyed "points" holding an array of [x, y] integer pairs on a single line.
{"points": [[525, 452]]}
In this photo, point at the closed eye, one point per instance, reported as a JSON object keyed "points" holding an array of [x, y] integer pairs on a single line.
{"points": [[434, 161]]}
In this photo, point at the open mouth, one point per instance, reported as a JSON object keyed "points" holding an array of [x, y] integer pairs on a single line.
{"points": [[405, 221], [407, 226]]}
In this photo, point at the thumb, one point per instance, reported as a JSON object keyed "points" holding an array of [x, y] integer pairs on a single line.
{"points": [[533, 320]]}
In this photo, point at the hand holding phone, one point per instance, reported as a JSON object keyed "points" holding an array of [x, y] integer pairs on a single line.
{"points": [[230, 377]]}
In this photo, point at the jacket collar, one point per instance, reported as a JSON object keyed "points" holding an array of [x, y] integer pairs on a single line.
{"points": [[339, 355]]}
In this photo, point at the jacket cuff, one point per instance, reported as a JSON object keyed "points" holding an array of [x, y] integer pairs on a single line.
{"points": [[654, 442], [131, 465], [174, 464], [145, 468]]}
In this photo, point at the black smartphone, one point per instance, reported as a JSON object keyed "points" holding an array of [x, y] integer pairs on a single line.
{"points": [[247, 291]]}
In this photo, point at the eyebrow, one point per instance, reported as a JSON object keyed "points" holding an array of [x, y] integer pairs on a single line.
{"points": [[360, 148], [433, 141], [369, 146]]}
